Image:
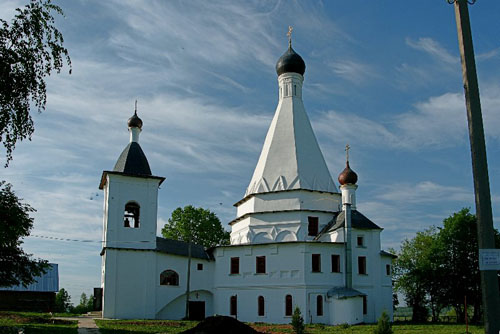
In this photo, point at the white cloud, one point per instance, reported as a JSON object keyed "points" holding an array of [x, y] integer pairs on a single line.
{"points": [[433, 48], [424, 192], [350, 70]]}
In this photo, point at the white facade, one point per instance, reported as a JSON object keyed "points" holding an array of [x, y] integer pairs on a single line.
{"points": [[287, 241]]}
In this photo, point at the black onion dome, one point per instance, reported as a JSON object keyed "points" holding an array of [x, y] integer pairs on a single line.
{"points": [[135, 121], [290, 61], [348, 176]]}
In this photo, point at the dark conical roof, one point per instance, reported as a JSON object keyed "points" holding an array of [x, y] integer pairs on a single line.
{"points": [[133, 161], [348, 176], [290, 61]]}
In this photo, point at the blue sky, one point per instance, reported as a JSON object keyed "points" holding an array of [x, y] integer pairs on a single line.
{"points": [[383, 76]]}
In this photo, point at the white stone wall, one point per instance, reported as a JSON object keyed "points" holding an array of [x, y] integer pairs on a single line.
{"points": [[288, 271], [119, 190], [129, 284], [276, 226]]}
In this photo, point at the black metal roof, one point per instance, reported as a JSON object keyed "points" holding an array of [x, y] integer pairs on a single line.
{"points": [[177, 247], [358, 220], [342, 292], [133, 161], [384, 253]]}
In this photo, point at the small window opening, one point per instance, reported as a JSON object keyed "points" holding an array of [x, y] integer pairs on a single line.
{"points": [[288, 305], [312, 226], [235, 265], [169, 277], [362, 265], [200, 266], [295, 90], [335, 263], [365, 305], [233, 305], [316, 263], [260, 302], [388, 269], [260, 264], [360, 241], [319, 305], [131, 215]]}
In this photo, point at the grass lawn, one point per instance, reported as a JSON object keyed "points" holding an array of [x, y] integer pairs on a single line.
{"points": [[172, 327], [34, 323], [144, 326]]}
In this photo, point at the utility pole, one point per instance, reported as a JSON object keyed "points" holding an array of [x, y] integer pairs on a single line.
{"points": [[188, 274], [489, 279]]}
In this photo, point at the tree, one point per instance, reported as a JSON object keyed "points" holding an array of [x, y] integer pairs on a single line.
{"points": [[413, 271], [460, 261], [198, 225], [439, 267], [31, 47], [16, 267], [384, 325], [298, 321], [86, 304], [63, 301]]}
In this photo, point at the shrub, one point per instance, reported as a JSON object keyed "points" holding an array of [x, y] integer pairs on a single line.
{"points": [[298, 321], [384, 325]]}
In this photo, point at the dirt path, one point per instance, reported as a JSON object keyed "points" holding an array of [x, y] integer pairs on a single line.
{"points": [[86, 324]]}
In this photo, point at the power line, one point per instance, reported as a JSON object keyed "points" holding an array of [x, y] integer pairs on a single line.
{"points": [[85, 240]]}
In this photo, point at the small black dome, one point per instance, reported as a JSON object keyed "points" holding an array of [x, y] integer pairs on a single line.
{"points": [[134, 121], [348, 176], [290, 61]]}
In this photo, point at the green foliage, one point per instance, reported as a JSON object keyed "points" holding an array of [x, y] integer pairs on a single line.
{"points": [[198, 225], [439, 267], [16, 267], [31, 48], [86, 304], [415, 272], [63, 301], [297, 321], [384, 325]]}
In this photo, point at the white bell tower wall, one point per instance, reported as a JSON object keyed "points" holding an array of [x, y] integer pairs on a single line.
{"points": [[129, 192]]}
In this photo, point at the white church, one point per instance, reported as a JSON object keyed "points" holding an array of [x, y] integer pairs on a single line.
{"points": [[296, 239]]}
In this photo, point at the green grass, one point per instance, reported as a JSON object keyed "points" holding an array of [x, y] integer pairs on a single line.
{"points": [[173, 327], [144, 326], [34, 323]]}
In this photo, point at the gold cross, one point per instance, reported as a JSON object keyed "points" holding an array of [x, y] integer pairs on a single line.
{"points": [[347, 148], [289, 34], [135, 107]]}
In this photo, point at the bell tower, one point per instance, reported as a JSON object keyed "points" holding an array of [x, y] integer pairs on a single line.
{"points": [[130, 197]]}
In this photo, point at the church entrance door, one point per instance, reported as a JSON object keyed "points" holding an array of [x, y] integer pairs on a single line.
{"points": [[196, 310]]}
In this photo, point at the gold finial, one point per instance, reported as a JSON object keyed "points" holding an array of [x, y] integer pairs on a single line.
{"points": [[347, 148], [135, 112], [289, 34]]}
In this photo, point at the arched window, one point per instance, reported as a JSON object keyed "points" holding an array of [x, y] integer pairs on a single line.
{"points": [[319, 305], [288, 305], [131, 215], [233, 305], [260, 307], [169, 277]]}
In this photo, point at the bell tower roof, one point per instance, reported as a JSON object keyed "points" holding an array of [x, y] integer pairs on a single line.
{"points": [[132, 161]]}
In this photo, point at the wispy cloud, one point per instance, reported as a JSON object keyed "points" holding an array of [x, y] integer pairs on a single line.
{"points": [[424, 192], [350, 70], [433, 48]]}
